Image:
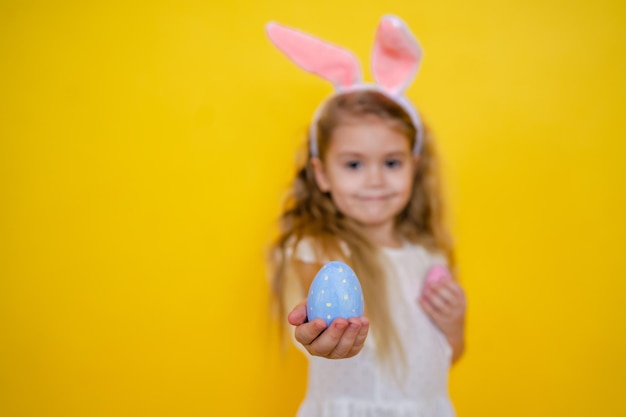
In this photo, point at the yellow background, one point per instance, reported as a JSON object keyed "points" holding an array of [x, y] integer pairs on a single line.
{"points": [[144, 150]]}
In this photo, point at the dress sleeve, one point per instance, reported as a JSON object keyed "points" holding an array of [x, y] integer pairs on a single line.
{"points": [[439, 259], [302, 251], [306, 250]]}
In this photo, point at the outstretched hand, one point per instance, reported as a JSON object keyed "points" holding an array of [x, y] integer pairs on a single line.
{"points": [[445, 303], [342, 339]]}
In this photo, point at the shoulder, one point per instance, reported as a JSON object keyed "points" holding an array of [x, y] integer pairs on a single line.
{"points": [[304, 249], [429, 255], [308, 249]]}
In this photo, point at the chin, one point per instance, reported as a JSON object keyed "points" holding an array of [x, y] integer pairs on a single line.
{"points": [[373, 221]]}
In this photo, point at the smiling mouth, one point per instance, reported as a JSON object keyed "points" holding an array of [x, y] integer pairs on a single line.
{"points": [[374, 197]]}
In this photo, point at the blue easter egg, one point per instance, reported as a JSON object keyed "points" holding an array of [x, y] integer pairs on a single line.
{"points": [[335, 292]]}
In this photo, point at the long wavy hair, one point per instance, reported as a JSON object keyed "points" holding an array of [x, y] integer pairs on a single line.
{"points": [[311, 213]]}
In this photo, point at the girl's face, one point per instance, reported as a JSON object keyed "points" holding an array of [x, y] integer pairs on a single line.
{"points": [[368, 171]]}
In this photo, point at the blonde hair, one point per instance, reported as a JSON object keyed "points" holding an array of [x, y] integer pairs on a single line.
{"points": [[311, 213]]}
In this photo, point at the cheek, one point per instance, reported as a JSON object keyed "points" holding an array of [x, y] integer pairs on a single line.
{"points": [[404, 181], [343, 182], [342, 202], [343, 191], [405, 186], [342, 194]]}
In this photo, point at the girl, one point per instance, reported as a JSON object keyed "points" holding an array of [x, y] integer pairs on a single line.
{"points": [[368, 195]]}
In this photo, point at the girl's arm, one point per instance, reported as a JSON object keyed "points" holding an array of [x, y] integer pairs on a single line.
{"points": [[445, 303]]}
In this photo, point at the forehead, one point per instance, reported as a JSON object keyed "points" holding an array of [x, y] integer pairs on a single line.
{"points": [[368, 136]]}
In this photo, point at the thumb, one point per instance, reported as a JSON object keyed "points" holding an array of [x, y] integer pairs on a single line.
{"points": [[297, 316]]}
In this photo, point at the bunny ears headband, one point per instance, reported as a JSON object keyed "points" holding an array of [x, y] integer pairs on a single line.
{"points": [[396, 57]]}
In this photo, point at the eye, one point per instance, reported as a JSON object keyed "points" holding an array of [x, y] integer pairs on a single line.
{"points": [[353, 164], [393, 163]]}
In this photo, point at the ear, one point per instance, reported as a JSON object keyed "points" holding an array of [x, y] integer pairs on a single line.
{"points": [[396, 55], [416, 162], [314, 55], [320, 174]]}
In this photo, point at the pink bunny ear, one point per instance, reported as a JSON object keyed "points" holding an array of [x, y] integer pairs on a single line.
{"points": [[396, 55], [314, 55]]}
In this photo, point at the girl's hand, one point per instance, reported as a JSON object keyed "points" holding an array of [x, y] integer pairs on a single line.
{"points": [[445, 303], [342, 339]]}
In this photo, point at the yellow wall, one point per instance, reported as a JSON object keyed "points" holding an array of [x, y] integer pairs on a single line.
{"points": [[144, 148]]}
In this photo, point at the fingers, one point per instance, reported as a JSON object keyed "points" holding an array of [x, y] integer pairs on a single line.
{"points": [[436, 301], [307, 333], [330, 340], [359, 342], [444, 297], [429, 309], [342, 339], [351, 341]]}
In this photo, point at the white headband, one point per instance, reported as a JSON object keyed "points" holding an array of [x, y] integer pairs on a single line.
{"points": [[396, 57]]}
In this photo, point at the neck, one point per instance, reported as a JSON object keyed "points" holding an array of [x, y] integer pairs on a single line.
{"points": [[383, 235]]}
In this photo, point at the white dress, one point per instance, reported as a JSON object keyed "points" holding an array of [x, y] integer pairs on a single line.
{"points": [[360, 386]]}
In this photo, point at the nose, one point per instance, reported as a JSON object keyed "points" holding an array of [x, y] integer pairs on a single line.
{"points": [[374, 176]]}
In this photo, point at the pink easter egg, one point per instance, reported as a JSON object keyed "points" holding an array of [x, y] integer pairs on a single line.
{"points": [[436, 274]]}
